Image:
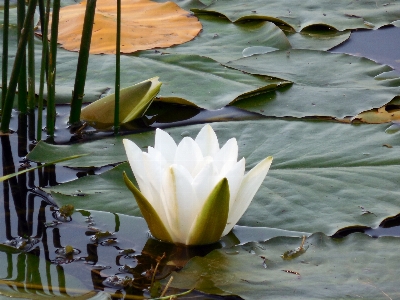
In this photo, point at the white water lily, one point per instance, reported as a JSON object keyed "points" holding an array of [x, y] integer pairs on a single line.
{"points": [[195, 192]]}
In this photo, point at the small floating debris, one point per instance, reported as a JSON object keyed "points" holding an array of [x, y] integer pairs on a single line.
{"points": [[291, 254]]}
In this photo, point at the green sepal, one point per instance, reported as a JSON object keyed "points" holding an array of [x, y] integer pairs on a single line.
{"points": [[134, 101], [153, 220], [211, 221]]}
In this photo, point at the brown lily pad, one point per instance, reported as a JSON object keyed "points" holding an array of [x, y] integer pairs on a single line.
{"points": [[144, 25], [378, 116]]}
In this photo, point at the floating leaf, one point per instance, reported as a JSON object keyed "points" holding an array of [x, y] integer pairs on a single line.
{"points": [[62, 159], [223, 40], [378, 116], [341, 15], [322, 173], [134, 101], [184, 77], [317, 39], [325, 84], [145, 25], [353, 267]]}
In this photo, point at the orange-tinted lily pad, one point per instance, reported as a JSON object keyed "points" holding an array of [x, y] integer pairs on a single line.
{"points": [[144, 25], [378, 116]]}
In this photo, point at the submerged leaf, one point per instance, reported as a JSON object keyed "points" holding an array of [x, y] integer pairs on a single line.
{"points": [[144, 25], [134, 101]]}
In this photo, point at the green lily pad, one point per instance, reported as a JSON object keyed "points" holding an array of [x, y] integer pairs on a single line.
{"points": [[184, 77], [224, 41], [353, 267], [317, 39], [99, 151], [325, 84], [192, 74], [328, 169], [341, 15]]}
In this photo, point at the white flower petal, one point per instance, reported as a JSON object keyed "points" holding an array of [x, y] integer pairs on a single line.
{"points": [[134, 154], [250, 185], [203, 184], [155, 168], [235, 177], [165, 144], [143, 166], [180, 197], [207, 141], [226, 157], [188, 154]]}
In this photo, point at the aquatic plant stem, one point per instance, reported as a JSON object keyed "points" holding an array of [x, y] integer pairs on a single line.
{"points": [[51, 81], [31, 68], [9, 100], [22, 89], [4, 62], [44, 63], [83, 59], [117, 68]]}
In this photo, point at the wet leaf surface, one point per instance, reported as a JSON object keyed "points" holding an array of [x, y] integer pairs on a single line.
{"points": [[325, 84], [144, 24], [224, 41], [341, 15], [328, 168], [356, 266]]}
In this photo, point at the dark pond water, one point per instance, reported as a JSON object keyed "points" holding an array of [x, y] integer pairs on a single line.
{"points": [[30, 220], [380, 45]]}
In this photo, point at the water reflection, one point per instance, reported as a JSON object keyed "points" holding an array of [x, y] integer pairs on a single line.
{"points": [[43, 254], [106, 255]]}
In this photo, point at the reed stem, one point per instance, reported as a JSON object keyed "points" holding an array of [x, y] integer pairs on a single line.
{"points": [[83, 59], [117, 68], [4, 62], [9, 100], [22, 89], [51, 81], [31, 68], [43, 67]]}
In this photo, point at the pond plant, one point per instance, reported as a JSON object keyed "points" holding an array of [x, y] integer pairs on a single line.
{"points": [[325, 223]]}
